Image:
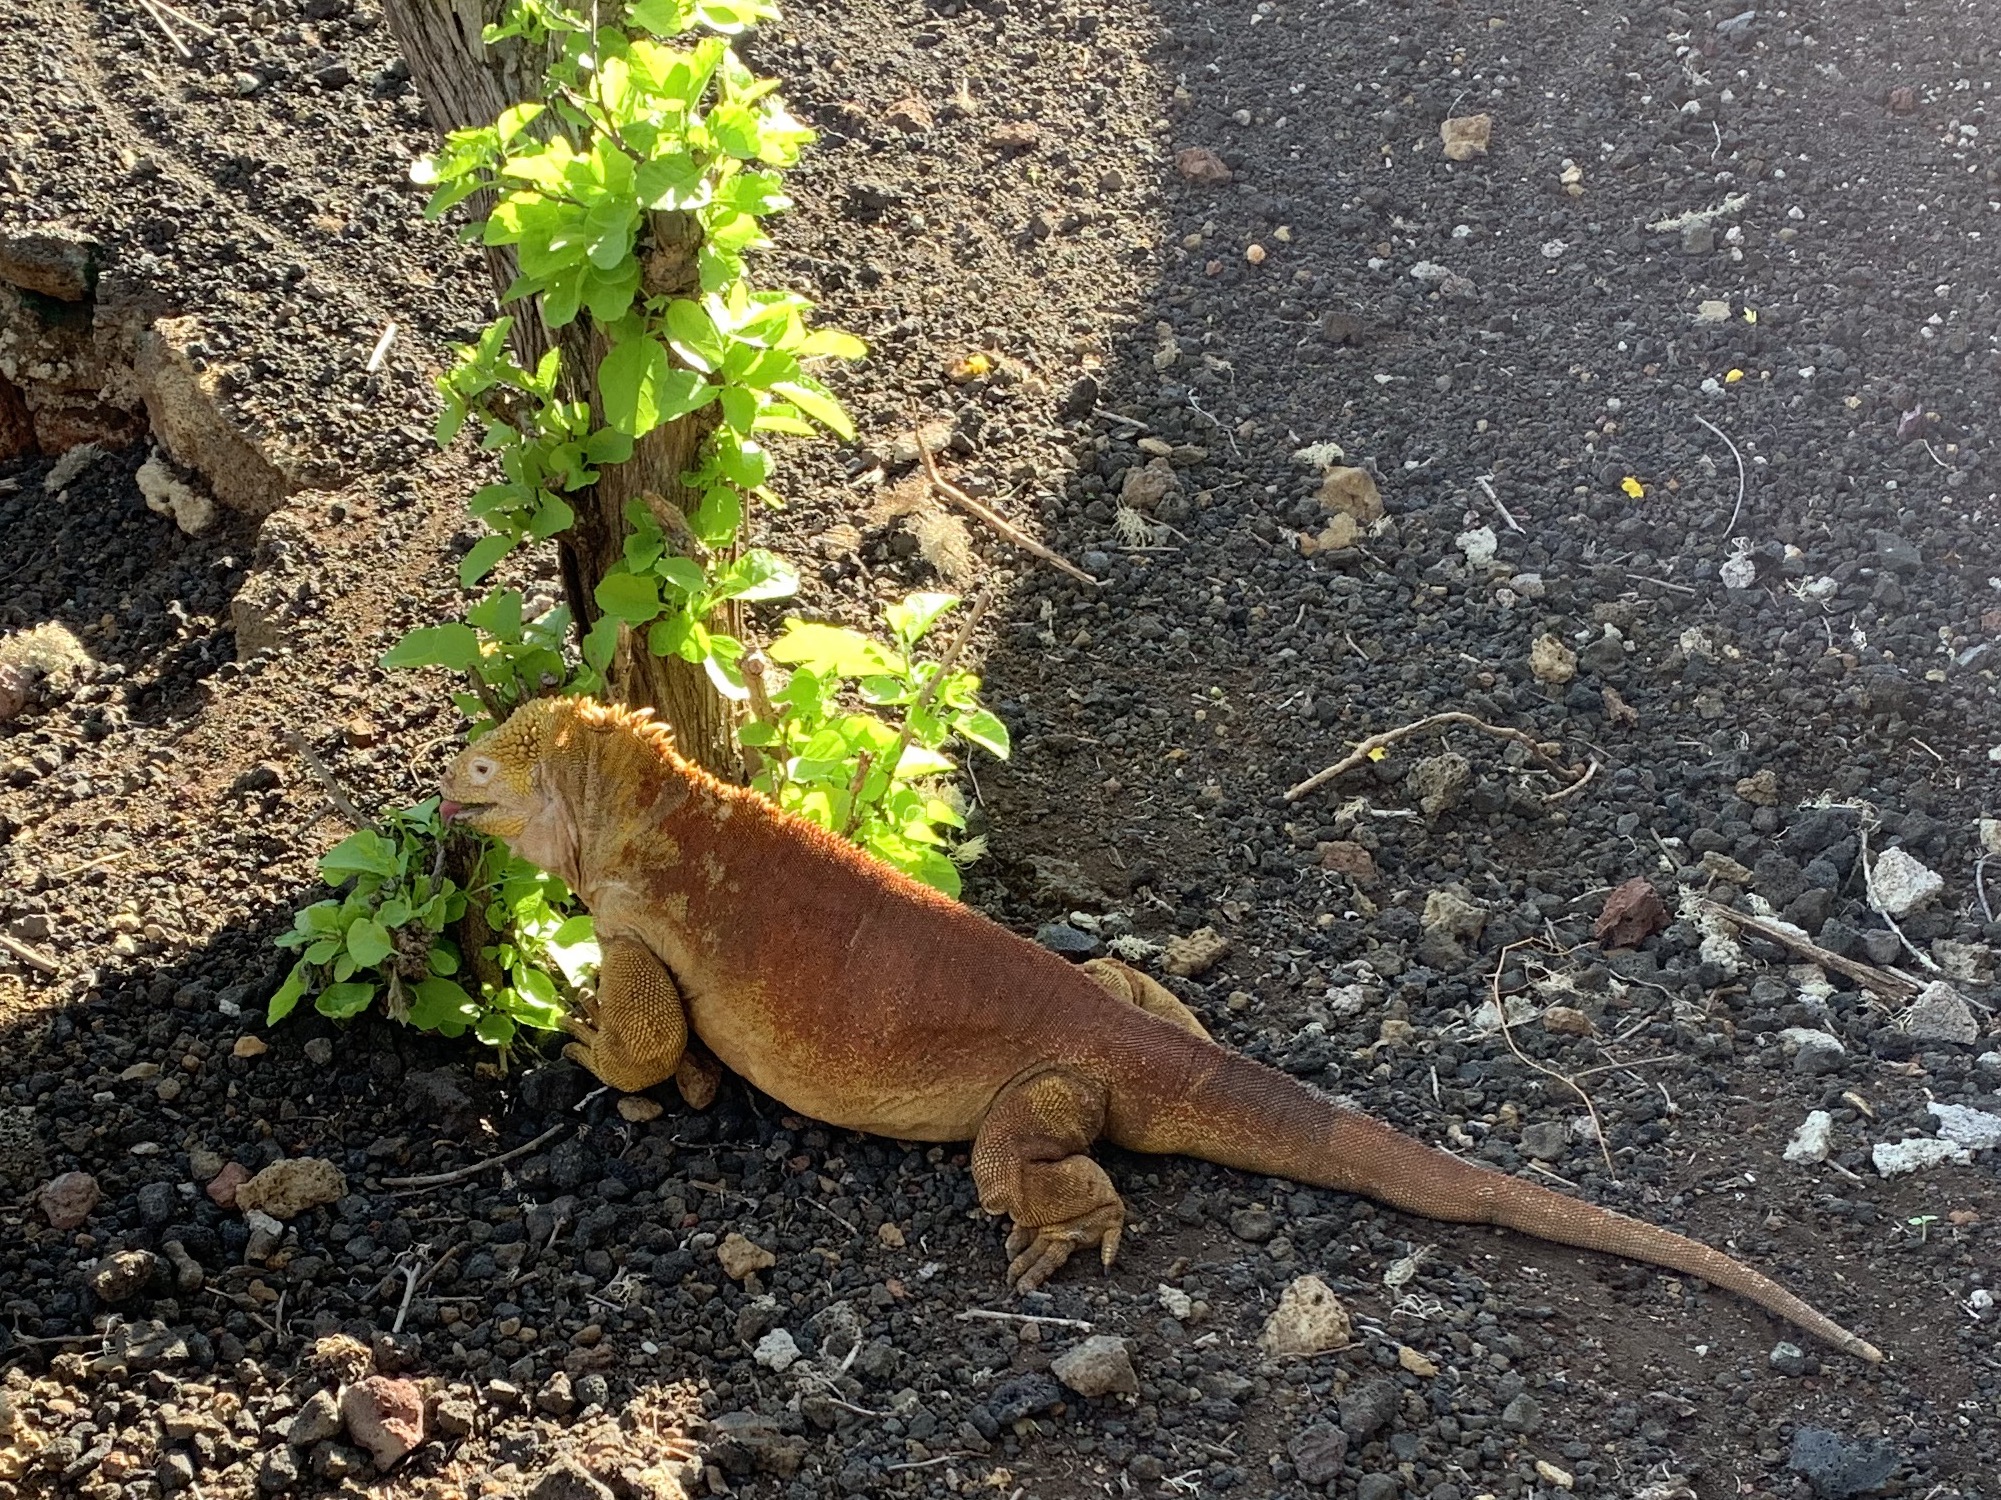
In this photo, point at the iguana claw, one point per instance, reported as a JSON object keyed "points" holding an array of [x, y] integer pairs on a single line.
{"points": [[1037, 1254]]}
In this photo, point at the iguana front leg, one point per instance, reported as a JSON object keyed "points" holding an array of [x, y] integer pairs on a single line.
{"points": [[1029, 1163], [635, 1032]]}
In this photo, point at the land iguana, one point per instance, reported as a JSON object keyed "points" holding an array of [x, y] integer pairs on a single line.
{"points": [[869, 1001]]}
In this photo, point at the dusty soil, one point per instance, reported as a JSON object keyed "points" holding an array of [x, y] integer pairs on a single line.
{"points": [[1763, 669]]}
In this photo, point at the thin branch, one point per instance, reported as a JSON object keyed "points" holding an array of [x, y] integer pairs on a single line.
{"points": [[1738, 509], [173, 37], [975, 1314], [1885, 982], [999, 523], [183, 17], [1389, 737], [926, 1463], [34, 958], [409, 1270], [1501, 1010], [460, 1174], [343, 803], [1577, 785], [1876, 902]]}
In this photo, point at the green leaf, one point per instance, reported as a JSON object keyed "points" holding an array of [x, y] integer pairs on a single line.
{"points": [[495, 1029], [682, 573], [443, 962], [393, 913], [364, 852], [918, 761], [831, 343], [368, 942], [642, 389], [600, 642], [498, 614], [287, 995], [663, 17], [818, 403], [515, 119], [454, 646], [631, 597], [986, 730], [323, 951], [339, 1002], [917, 614], [436, 1003], [830, 650], [739, 409], [573, 947], [717, 519], [481, 559]]}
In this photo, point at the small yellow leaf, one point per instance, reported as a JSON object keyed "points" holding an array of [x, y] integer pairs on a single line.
{"points": [[1632, 487], [1732, 377], [1379, 753], [1750, 315], [972, 367]]}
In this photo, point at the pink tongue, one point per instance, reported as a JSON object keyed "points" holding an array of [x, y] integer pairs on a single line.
{"points": [[448, 811]]}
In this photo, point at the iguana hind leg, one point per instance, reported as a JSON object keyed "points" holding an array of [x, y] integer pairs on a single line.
{"points": [[1029, 1163], [1149, 995], [634, 1033]]}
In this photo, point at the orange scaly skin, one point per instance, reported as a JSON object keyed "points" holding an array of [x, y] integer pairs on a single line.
{"points": [[869, 1001]]}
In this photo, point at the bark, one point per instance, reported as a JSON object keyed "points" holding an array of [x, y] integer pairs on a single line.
{"points": [[466, 84]]}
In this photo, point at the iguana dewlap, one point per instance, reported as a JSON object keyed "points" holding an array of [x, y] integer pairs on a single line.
{"points": [[869, 1001]]}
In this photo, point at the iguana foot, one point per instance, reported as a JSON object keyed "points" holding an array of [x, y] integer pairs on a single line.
{"points": [[1029, 1163], [1037, 1254], [1150, 995]]}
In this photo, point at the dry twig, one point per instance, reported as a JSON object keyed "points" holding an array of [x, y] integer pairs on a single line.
{"points": [[976, 1314], [998, 522], [460, 1174], [1876, 904], [323, 774], [1738, 509], [1885, 982], [34, 958], [1389, 737], [1501, 1010]]}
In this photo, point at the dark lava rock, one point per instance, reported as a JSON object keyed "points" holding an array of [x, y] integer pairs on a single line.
{"points": [[1838, 1466], [1071, 942], [1367, 1409], [1317, 1452], [1023, 1396]]}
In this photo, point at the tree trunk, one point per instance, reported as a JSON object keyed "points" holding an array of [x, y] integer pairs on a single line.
{"points": [[467, 84]]}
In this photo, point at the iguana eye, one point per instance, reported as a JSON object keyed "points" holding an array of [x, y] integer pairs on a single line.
{"points": [[480, 770]]}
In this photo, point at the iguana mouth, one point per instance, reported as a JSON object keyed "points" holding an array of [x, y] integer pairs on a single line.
{"points": [[453, 812]]}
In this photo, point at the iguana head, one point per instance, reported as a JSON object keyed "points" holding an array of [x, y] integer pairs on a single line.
{"points": [[506, 786]]}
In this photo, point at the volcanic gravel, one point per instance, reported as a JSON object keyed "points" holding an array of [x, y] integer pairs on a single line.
{"points": [[1195, 246]]}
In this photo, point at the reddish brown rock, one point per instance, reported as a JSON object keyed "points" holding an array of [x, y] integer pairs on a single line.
{"points": [[384, 1416], [1631, 914], [66, 1201]]}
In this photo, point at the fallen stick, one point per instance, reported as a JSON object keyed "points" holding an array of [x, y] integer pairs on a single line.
{"points": [[460, 1174], [322, 773], [999, 523], [1885, 982], [1389, 737], [1507, 1035], [975, 1314], [34, 958]]}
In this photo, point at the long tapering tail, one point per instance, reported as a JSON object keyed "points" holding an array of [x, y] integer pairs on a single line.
{"points": [[1240, 1113]]}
